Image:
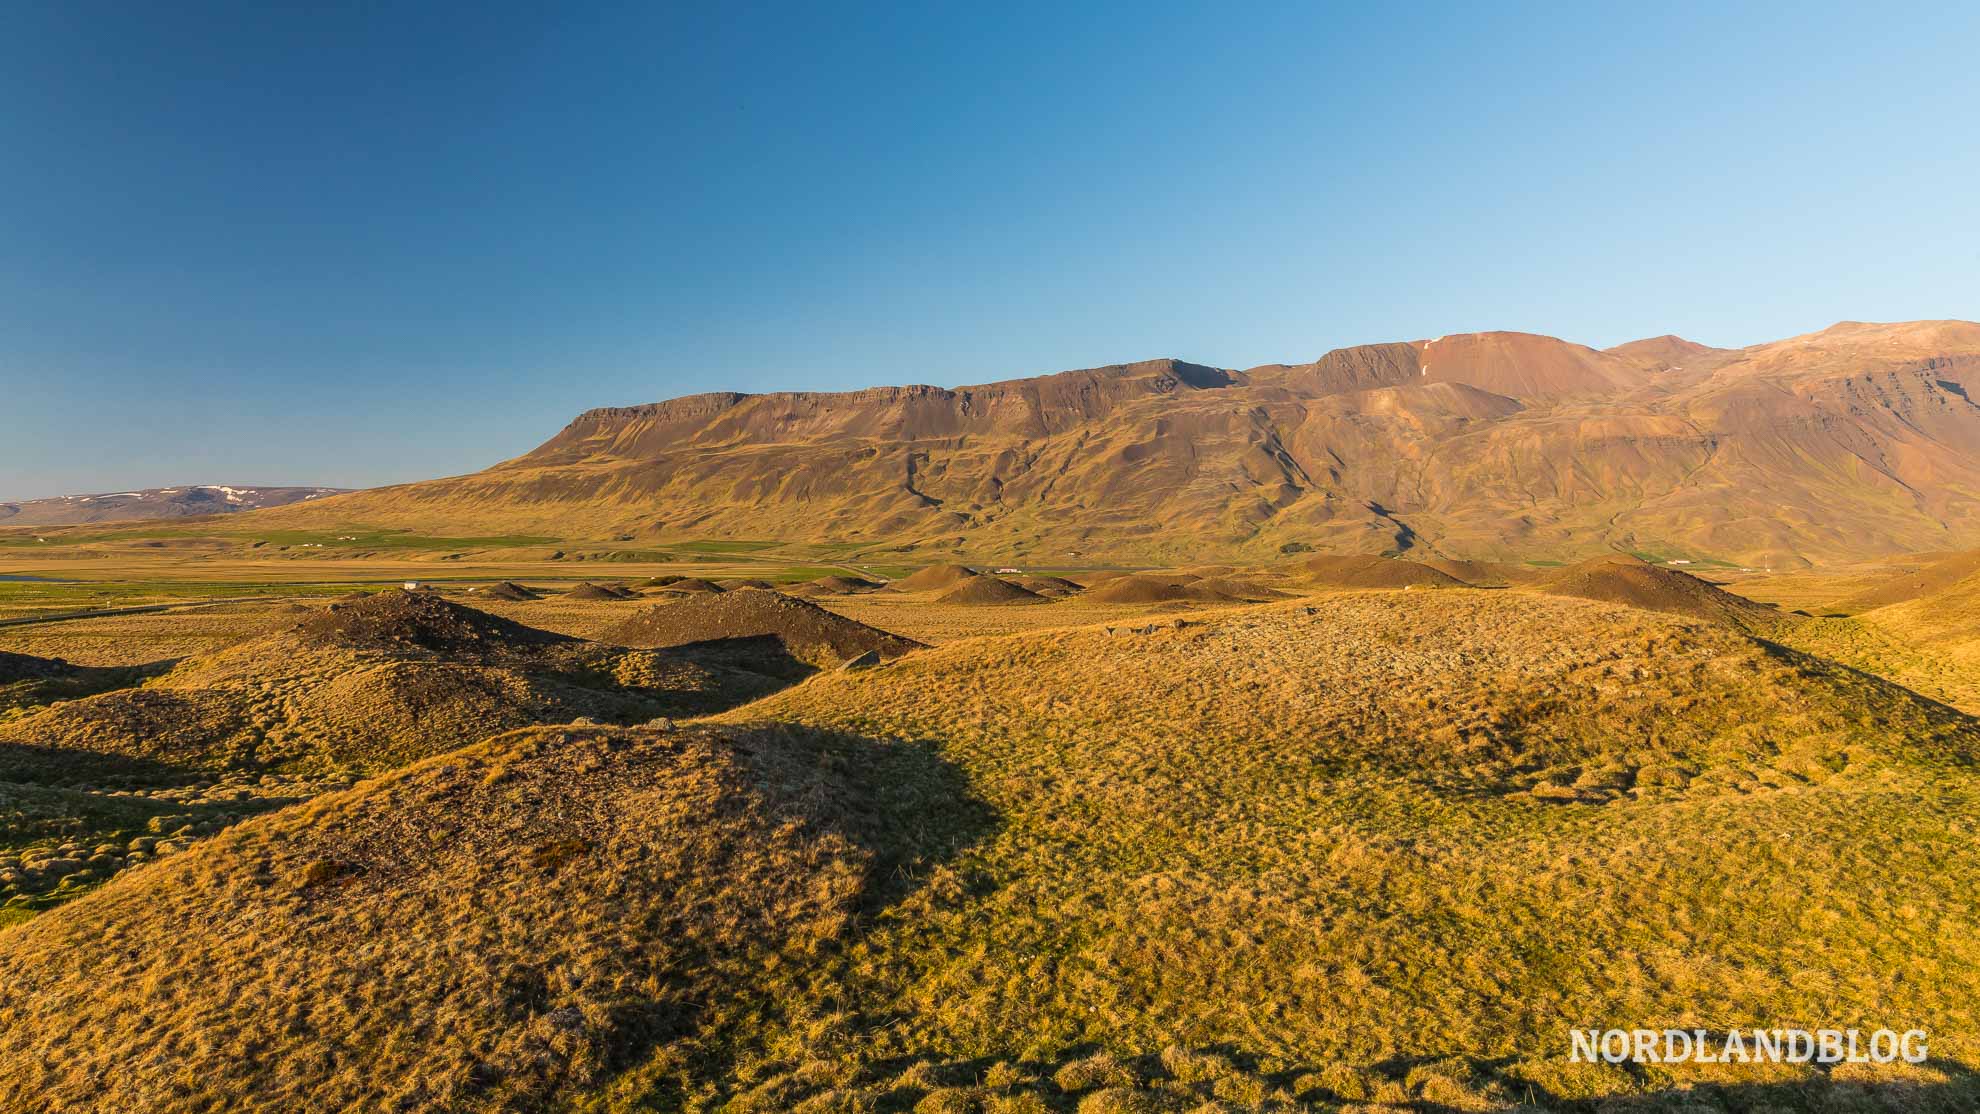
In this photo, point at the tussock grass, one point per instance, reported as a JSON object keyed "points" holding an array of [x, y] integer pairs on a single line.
{"points": [[1404, 826], [365, 686], [488, 930], [1367, 851]]}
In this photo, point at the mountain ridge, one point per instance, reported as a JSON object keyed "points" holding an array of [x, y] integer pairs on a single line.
{"points": [[1854, 441], [151, 503]]}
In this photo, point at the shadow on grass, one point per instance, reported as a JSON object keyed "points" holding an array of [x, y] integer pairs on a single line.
{"points": [[900, 803], [69, 767], [71, 682]]}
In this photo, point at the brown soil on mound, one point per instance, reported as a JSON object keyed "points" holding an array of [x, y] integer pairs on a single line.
{"points": [[660, 581], [988, 590], [1237, 588], [843, 585], [804, 630], [738, 582], [1635, 583], [935, 578], [1050, 585], [399, 621], [594, 591], [510, 590], [1482, 574], [694, 585], [1156, 588], [1362, 571]]}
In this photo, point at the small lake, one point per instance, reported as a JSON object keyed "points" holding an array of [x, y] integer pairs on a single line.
{"points": [[36, 579]]}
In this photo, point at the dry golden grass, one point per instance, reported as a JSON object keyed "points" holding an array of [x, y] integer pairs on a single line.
{"points": [[1400, 827], [921, 618], [1927, 639], [1367, 850], [506, 924], [88, 785], [145, 638]]}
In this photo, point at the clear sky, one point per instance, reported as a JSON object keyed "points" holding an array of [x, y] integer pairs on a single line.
{"points": [[269, 244]]}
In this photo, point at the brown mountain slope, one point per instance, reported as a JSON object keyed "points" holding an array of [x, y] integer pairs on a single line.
{"points": [[1856, 441], [1525, 366], [1672, 353], [1933, 579]]}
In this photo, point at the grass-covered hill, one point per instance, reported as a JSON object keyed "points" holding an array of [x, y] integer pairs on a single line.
{"points": [[1363, 848], [107, 781], [360, 686], [517, 921]]}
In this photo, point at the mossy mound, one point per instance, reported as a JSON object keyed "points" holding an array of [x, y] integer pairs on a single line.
{"points": [[753, 623], [935, 578], [591, 590], [1362, 571], [610, 886], [397, 621], [988, 590], [1637, 583]]}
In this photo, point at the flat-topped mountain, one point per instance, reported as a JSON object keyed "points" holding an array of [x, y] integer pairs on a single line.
{"points": [[1857, 440]]}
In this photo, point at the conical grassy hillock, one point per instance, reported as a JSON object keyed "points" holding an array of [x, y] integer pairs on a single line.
{"points": [[377, 683], [494, 930], [28, 681], [1620, 578], [756, 629], [369, 684]]}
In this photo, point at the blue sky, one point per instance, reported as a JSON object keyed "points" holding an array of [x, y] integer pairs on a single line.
{"points": [[260, 243]]}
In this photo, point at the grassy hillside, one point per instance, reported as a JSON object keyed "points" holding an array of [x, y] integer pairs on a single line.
{"points": [[1926, 637], [1367, 848], [101, 783], [484, 931], [1363, 847], [1316, 840]]}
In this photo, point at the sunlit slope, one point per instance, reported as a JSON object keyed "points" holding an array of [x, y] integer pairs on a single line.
{"points": [[364, 684], [1920, 628], [504, 926], [1408, 825], [1368, 846], [1857, 441]]}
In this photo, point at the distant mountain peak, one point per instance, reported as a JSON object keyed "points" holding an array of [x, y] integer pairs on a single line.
{"points": [[181, 501], [1667, 353]]}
